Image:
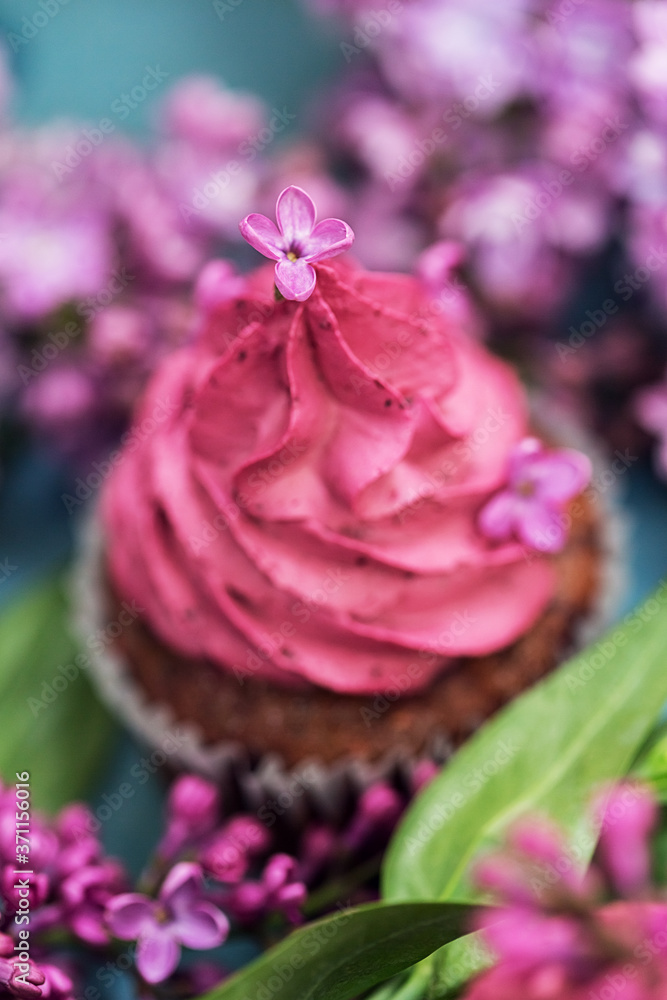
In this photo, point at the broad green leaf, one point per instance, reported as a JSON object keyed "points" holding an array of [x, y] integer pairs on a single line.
{"points": [[652, 764], [454, 964], [339, 957], [51, 723], [547, 752]]}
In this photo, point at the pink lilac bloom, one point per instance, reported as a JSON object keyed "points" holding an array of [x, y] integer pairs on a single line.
{"points": [[228, 854], [522, 231], [193, 806], [297, 242], [378, 811], [446, 51], [647, 68], [19, 983], [651, 411], [629, 815], [48, 258], [179, 916], [209, 158], [278, 890], [540, 483], [218, 282], [58, 983], [85, 894], [556, 933]]}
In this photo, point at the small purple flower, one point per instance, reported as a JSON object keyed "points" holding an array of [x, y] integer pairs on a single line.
{"points": [[540, 483], [297, 242], [179, 916], [377, 814], [228, 855], [278, 890], [192, 810]]}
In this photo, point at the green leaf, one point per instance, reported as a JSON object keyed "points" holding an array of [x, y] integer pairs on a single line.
{"points": [[546, 752], [58, 732], [651, 766], [339, 957]]}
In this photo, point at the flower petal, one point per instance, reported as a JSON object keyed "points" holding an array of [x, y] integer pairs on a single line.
{"points": [[262, 234], [128, 914], [541, 527], [328, 239], [559, 475], [203, 927], [498, 518], [157, 955], [295, 279], [295, 212], [182, 887]]}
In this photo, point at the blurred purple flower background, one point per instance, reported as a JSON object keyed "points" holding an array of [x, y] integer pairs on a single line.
{"points": [[528, 138]]}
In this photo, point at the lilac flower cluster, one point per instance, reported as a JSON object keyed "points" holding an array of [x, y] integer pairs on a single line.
{"points": [[212, 871], [100, 242], [561, 934], [534, 133]]}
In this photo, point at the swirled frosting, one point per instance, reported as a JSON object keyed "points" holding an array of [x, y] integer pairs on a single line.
{"points": [[298, 497]]}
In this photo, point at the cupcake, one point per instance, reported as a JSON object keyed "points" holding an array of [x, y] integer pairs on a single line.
{"points": [[341, 531]]}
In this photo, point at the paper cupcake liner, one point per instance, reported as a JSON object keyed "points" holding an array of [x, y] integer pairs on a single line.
{"points": [[312, 787]]}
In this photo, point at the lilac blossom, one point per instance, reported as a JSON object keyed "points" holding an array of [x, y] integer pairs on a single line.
{"points": [[540, 483], [179, 916], [557, 934], [651, 409], [297, 242]]}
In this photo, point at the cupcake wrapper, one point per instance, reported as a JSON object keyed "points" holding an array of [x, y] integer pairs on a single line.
{"points": [[312, 788]]}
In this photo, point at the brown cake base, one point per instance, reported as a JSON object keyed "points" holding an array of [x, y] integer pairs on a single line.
{"points": [[319, 724]]}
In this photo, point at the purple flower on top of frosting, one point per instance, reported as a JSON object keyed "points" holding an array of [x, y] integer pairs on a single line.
{"points": [[179, 916], [296, 242], [540, 483]]}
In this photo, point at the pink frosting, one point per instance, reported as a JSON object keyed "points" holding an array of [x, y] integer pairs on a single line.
{"points": [[299, 495]]}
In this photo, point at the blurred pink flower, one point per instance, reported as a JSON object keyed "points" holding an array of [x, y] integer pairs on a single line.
{"points": [[556, 935], [540, 483]]}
